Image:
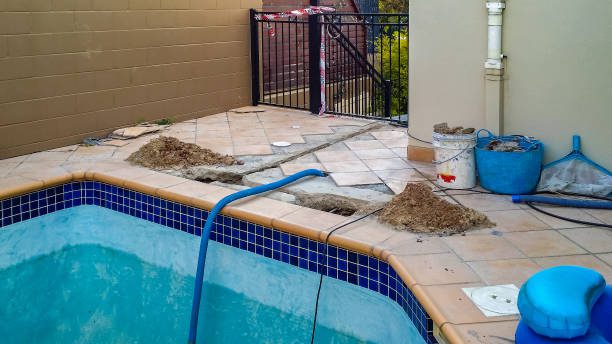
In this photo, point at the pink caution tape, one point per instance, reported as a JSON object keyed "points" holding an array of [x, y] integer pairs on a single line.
{"points": [[297, 13]]}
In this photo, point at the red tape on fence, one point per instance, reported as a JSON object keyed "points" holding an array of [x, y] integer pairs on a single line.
{"points": [[298, 13]]}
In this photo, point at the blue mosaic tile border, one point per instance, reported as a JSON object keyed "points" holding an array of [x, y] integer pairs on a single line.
{"points": [[332, 261]]}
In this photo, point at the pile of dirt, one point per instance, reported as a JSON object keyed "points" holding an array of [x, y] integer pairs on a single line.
{"points": [[443, 128], [335, 204], [418, 209], [169, 152]]}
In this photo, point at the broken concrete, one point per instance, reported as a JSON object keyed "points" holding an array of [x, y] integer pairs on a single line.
{"points": [[320, 185]]}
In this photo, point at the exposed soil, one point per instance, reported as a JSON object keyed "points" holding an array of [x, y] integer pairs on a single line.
{"points": [[418, 209], [169, 152], [443, 128], [335, 204]]}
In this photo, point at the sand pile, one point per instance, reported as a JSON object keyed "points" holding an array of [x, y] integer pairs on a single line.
{"points": [[418, 209], [169, 152]]}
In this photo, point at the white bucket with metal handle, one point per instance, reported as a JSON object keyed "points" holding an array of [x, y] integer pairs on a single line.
{"points": [[454, 160]]}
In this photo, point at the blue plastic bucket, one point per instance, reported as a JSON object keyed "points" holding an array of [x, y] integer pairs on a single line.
{"points": [[509, 173]]}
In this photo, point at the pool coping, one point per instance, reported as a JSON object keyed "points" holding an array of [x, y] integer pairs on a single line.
{"points": [[285, 217]]}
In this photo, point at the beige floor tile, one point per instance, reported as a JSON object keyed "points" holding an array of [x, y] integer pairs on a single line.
{"points": [[386, 164], [16, 159], [226, 149], [289, 138], [335, 156], [49, 156], [515, 220], [355, 178], [593, 239], [346, 166], [390, 134], [213, 134], [543, 243], [572, 213], [497, 332], [375, 153], [264, 208], [485, 202], [92, 153], [405, 244], [369, 231], [401, 143], [14, 181], [6, 168], [239, 133], [292, 167], [315, 131], [606, 257], [603, 215], [253, 150], [193, 188], [443, 268], [407, 174], [313, 219], [585, 260], [130, 172], [506, 271], [400, 152], [364, 144], [482, 247], [456, 307], [254, 140], [160, 180]]}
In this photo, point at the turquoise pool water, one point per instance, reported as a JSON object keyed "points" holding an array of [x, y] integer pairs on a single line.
{"points": [[91, 275]]}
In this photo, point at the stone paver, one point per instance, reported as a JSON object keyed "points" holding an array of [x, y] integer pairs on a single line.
{"points": [[522, 242]]}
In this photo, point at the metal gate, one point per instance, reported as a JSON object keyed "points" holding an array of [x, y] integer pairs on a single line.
{"points": [[366, 63]]}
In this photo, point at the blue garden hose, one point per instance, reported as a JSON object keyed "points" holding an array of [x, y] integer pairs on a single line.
{"points": [[197, 293], [574, 203]]}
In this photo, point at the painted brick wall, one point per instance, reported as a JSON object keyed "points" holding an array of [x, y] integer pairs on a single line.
{"points": [[71, 69]]}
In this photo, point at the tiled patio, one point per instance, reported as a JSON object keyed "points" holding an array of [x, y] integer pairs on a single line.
{"points": [[521, 243]]}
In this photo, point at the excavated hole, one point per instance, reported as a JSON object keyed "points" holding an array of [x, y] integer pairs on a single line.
{"points": [[335, 204], [224, 177]]}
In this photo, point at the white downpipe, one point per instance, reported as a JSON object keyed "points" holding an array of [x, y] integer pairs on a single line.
{"points": [[494, 51]]}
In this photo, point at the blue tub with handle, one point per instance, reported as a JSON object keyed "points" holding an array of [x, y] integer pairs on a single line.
{"points": [[511, 173]]}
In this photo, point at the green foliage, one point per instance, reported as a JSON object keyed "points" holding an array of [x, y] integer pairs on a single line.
{"points": [[392, 51], [393, 6], [164, 121]]}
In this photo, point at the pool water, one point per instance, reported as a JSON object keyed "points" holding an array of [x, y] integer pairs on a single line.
{"points": [[91, 275]]}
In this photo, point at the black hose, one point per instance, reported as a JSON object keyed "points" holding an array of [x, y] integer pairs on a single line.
{"points": [[316, 313], [568, 219], [594, 224]]}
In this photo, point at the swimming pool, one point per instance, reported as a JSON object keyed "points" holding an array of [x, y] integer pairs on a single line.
{"points": [[87, 271]]}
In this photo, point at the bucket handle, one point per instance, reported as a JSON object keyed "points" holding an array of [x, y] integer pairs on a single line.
{"points": [[436, 162], [490, 134], [534, 143]]}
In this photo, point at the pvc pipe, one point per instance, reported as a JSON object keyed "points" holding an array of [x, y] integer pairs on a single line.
{"points": [[494, 34], [565, 202], [197, 293]]}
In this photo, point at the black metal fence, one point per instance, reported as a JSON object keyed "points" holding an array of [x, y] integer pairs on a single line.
{"points": [[366, 63]]}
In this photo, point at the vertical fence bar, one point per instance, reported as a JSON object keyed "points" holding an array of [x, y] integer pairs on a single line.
{"points": [[314, 46], [387, 98], [254, 59]]}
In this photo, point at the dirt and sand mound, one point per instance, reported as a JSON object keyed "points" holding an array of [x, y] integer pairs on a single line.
{"points": [[169, 152], [418, 209]]}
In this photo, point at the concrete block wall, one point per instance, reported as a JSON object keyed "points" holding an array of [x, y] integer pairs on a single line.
{"points": [[71, 69]]}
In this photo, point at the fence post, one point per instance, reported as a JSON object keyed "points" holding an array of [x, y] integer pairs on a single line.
{"points": [[387, 84], [254, 58], [314, 47]]}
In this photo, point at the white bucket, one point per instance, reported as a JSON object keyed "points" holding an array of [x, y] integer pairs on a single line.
{"points": [[454, 160]]}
